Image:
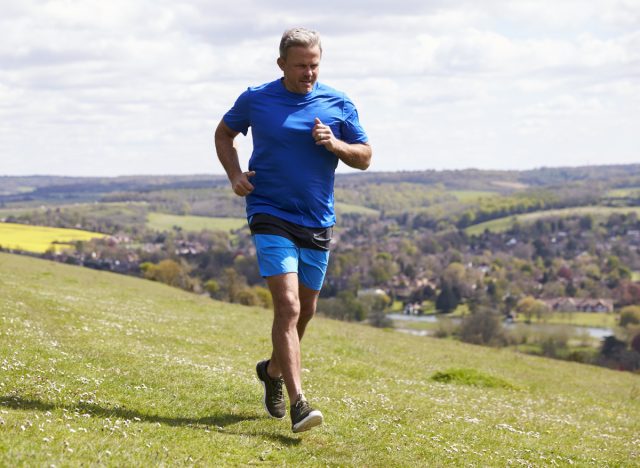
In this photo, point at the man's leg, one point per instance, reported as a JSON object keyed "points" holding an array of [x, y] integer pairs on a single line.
{"points": [[308, 302], [285, 359]]}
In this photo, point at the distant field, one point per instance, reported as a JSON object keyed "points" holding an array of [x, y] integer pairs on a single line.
{"points": [[39, 239], [624, 192], [582, 319], [472, 195], [503, 224], [104, 208], [166, 222], [23, 189], [510, 185], [346, 208]]}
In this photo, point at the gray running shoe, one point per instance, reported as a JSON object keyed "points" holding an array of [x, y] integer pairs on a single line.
{"points": [[273, 395], [303, 416]]}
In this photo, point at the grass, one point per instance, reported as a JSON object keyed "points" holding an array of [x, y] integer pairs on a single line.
{"points": [[166, 222], [581, 319], [346, 208], [624, 192], [470, 377], [504, 224], [101, 369], [39, 239], [472, 196]]}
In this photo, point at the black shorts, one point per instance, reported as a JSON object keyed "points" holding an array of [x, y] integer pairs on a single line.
{"points": [[303, 237]]}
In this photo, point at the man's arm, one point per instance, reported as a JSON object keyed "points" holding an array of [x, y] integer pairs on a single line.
{"points": [[356, 155], [228, 156]]}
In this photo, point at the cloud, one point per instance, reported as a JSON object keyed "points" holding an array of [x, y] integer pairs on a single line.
{"points": [[129, 87]]}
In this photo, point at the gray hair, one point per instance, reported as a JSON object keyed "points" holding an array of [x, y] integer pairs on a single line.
{"points": [[298, 37]]}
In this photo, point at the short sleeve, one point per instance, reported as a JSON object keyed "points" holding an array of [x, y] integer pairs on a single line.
{"points": [[238, 118], [352, 131]]}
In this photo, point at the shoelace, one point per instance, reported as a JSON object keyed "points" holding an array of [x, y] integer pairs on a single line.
{"points": [[277, 384], [301, 405]]}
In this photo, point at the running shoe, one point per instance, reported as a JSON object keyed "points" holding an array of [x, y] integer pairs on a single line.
{"points": [[273, 395], [303, 416]]}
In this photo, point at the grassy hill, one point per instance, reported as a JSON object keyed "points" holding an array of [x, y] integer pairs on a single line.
{"points": [[599, 213], [97, 368], [166, 222]]}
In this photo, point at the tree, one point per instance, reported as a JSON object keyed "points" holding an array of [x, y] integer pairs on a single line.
{"points": [[627, 293], [231, 284], [212, 287], [483, 328], [169, 272], [531, 307], [264, 295], [376, 306], [630, 315], [448, 299]]}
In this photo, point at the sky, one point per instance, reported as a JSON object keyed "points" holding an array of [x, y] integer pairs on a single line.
{"points": [[119, 87]]}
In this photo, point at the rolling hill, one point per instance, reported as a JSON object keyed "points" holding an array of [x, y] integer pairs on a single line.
{"points": [[98, 368]]}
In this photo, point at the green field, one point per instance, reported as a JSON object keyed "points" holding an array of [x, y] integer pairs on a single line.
{"points": [[166, 222], [472, 196], [39, 239], [102, 369], [346, 208], [503, 224], [624, 192], [582, 319]]}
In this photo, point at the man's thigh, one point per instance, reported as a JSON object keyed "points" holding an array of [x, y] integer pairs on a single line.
{"points": [[312, 267], [278, 255]]}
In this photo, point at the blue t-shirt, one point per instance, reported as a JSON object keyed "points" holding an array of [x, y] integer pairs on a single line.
{"points": [[294, 176]]}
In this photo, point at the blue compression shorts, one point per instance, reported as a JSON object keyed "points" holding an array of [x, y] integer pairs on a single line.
{"points": [[278, 255]]}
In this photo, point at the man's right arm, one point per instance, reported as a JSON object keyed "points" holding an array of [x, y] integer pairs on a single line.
{"points": [[228, 156]]}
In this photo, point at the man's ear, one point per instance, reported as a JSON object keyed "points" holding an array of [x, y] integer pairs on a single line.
{"points": [[280, 63]]}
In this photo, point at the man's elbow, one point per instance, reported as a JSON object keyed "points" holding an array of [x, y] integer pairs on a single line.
{"points": [[366, 159]]}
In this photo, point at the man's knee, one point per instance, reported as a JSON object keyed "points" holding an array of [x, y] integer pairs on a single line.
{"points": [[286, 306], [307, 312]]}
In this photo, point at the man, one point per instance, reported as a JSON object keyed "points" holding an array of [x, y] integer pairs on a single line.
{"points": [[301, 129]]}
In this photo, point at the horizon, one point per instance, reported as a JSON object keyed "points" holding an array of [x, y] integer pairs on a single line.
{"points": [[340, 173]]}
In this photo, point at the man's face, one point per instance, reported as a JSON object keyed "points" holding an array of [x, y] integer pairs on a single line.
{"points": [[301, 68]]}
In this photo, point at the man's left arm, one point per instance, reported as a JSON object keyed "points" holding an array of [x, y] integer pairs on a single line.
{"points": [[356, 155]]}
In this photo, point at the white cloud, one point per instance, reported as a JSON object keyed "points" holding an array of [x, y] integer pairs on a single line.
{"points": [[90, 87]]}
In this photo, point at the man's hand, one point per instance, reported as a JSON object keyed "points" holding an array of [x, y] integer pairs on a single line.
{"points": [[241, 185], [356, 155], [324, 136]]}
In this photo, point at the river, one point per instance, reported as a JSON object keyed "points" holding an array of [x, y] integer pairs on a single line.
{"points": [[594, 332]]}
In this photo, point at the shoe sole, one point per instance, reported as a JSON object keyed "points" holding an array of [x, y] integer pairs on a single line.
{"points": [[264, 397], [312, 420]]}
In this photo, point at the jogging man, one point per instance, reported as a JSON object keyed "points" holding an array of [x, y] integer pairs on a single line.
{"points": [[301, 129]]}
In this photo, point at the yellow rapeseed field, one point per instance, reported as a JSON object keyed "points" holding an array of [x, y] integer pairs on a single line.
{"points": [[39, 239]]}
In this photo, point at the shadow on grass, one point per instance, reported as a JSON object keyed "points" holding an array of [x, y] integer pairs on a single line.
{"points": [[216, 421]]}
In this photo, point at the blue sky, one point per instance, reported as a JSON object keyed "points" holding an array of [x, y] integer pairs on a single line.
{"points": [[137, 87]]}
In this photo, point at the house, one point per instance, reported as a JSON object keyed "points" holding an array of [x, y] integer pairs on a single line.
{"points": [[561, 304], [570, 304], [596, 305], [371, 292]]}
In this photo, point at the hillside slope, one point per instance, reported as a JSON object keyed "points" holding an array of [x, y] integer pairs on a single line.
{"points": [[97, 368]]}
